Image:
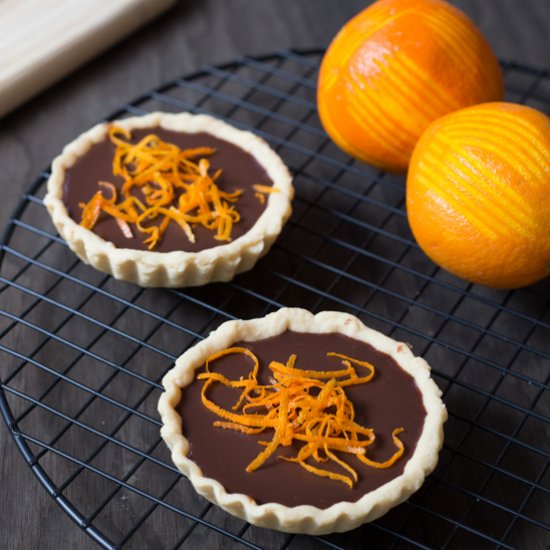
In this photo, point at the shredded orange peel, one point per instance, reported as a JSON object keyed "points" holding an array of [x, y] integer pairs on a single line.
{"points": [[306, 406], [174, 186], [262, 190]]}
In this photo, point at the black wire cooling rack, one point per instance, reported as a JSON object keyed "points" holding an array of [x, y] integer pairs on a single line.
{"points": [[82, 355]]}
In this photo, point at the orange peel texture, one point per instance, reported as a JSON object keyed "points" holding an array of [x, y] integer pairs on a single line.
{"points": [[395, 68], [306, 406], [478, 194]]}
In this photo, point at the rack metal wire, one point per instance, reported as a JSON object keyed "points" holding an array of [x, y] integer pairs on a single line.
{"points": [[83, 354]]}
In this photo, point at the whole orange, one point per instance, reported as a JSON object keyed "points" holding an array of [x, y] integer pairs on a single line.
{"points": [[478, 194], [395, 68]]}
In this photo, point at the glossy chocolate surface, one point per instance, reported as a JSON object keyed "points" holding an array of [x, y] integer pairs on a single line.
{"points": [[240, 170], [390, 400]]}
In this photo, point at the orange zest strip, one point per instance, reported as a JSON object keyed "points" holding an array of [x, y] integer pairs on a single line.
{"points": [[305, 406], [173, 185], [347, 360], [280, 431], [237, 427], [262, 190], [265, 188], [111, 188], [391, 461], [322, 472], [235, 350]]}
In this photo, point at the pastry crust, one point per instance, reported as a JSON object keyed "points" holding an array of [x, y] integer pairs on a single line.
{"points": [[178, 268], [305, 519]]}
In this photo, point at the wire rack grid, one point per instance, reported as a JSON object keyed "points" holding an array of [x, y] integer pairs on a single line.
{"points": [[83, 354]]}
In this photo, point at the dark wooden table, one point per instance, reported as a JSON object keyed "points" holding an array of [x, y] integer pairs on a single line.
{"points": [[190, 35]]}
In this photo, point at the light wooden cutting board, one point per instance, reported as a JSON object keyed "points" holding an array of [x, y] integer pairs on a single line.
{"points": [[43, 40]]}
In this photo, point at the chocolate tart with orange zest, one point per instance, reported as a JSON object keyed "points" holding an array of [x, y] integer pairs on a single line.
{"points": [[169, 200], [303, 423]]}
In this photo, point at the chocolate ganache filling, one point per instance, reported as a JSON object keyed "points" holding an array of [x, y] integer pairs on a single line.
{"points": [[390, 400], [240, 170]]}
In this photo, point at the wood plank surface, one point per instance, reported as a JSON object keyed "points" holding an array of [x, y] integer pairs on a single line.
{"points": [[44, 40], [194, 33]]}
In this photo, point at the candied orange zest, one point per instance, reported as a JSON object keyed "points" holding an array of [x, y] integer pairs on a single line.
{"points": [[174, 185], [265, 188], [108, 185], [237, 427], [322, 472], [262, 190], [306, 406], [391, 461]]}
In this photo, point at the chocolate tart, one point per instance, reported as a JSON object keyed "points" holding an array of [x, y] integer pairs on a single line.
{"points": [[244, 158], [282, 495]]}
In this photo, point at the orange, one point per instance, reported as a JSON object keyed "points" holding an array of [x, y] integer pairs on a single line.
{"points": [[395, 68], [478, 194]]}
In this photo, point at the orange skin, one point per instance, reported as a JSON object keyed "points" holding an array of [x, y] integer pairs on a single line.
{"points": [[395, 68], [478, 194]]}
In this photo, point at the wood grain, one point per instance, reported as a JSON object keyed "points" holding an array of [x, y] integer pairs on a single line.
{"points": [[190, 35]]}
